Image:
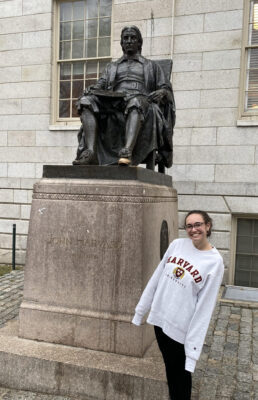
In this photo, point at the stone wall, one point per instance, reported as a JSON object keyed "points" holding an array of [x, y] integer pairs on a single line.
{"points": [[25, 65], [155, 20]]}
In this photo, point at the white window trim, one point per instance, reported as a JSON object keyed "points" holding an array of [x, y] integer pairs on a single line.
{"points": [[248, 121], [69, 127]]}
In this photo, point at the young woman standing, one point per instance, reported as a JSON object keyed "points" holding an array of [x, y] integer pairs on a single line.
{"points": [[181, 296]]}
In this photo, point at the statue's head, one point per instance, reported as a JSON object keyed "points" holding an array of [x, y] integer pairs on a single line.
{"points": [[131, 39]]}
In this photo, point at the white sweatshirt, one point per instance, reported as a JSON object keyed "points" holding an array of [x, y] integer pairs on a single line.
{"points": [[181, 295]]}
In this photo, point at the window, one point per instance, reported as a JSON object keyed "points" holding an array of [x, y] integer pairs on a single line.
{"points": [[84, 37], [249, 103], [246, 266]]}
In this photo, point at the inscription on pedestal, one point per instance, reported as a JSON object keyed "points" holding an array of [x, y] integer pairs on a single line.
{"points": [[68, 242]]}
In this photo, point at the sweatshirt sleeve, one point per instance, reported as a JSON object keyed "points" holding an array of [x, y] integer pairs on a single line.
{"points": [[145, 301], [200, 322]]}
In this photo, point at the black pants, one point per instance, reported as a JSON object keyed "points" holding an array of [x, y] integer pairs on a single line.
{"points": [[179, 380]]}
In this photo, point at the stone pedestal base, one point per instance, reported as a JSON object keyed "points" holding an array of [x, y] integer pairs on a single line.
{"points": [[92, 246], [80, 373]]}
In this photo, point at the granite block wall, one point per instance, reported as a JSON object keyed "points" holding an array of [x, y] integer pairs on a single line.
{"points": [[25, 80]]}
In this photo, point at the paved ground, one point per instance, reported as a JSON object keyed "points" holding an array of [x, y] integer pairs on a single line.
{"points": [[227, 369], [11, 287], [7, 394]]}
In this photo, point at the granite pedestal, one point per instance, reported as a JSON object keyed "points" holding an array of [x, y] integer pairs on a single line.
{"points": [[92, 246]]}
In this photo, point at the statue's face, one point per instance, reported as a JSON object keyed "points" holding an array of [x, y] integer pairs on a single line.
{"points": [[130, 42]]}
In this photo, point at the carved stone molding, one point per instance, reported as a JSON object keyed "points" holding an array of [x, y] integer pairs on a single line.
{"points": [[103, 198]]}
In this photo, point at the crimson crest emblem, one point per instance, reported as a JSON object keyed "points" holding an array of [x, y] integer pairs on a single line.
{"points": [[178, 273]]}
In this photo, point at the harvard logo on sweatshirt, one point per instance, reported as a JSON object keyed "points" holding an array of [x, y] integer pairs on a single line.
{"points": [[185, 266]]}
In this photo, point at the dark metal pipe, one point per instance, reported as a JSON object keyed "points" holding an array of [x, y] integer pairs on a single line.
{"points": [[14, 245]]}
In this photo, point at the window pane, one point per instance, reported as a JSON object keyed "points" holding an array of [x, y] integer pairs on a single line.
{"points": [[78, 10], [77, 49], [254, 34], [78, 70], [90, 82], [74, 109], [77, 89], [253, 58], [244, 226], [254, 16], [105, 7], [91, 9], [251, 100], [78, 30], [247, 243], [242, 278], [65, 90], [91, 70], [91, 28], [104, 47], [91, 48], [65, 71], [255, 262], [102, 66], [105, 27], [65, 11], [65, 50], [254, 279], [243, 262], [253, 79], [244, 244], [65, 31], [255, 245], [64, 108], [253, 25]]}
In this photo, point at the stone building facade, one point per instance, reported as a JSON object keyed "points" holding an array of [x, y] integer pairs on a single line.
{"points": [[215, 141]]}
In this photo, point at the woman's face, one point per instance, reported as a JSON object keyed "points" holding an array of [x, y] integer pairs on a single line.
{"points": [[197, 229]]}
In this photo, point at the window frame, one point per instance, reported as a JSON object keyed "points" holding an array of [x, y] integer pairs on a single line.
{"points": [[245, 117], [235, 219], [73, 122]]}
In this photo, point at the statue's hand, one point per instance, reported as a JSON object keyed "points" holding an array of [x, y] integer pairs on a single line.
{"points": [[88, 90], [158, 95]]}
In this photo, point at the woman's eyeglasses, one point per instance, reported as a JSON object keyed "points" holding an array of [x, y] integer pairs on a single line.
{"points": [[189, 227]]}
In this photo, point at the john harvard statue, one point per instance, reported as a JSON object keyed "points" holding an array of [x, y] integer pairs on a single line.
{"points": [[129, 114]]}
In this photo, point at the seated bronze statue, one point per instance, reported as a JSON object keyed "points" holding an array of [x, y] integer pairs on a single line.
{"points": [[129, 114]]}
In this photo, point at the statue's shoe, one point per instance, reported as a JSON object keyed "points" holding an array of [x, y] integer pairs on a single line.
{"points": [[76, 162], [125, 156], [86, 158], [124, 161]]}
